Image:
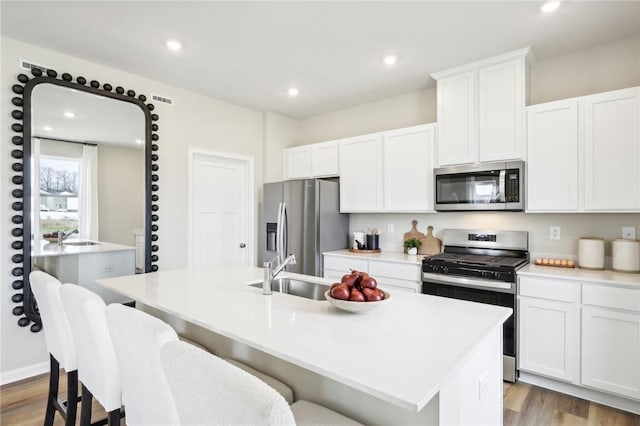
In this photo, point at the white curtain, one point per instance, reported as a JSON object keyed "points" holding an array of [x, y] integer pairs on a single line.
{"points": [[88, 194], [35, 192]]}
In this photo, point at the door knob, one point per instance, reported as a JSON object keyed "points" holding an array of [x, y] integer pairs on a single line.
{"points": [[242, 245]]}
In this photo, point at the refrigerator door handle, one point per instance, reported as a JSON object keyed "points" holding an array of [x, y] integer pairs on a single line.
{"points": [[285, 236], [279, 234]]}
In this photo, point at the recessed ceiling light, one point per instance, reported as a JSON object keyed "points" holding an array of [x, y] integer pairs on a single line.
{"points": [[293, 91], [139, 141], [174, 45], [550, 6], [390, 60], [69, 114], [47, 128]]}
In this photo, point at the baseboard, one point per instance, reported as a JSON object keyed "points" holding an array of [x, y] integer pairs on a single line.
{"points": [[618, 402], [22, 373]]}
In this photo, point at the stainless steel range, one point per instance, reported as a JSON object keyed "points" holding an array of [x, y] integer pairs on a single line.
{"points": [[480, 266]]}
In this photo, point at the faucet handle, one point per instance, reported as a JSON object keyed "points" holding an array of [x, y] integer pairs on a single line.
{"points": [[292, 259]]}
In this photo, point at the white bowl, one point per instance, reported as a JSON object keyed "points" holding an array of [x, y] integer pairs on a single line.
{"points": [[357, 307]]}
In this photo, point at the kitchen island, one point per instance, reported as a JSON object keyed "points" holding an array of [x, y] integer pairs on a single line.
{"points": [[416, 359]]}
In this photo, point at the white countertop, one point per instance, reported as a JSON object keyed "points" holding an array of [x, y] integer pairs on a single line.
{"points": [[53, 249], [382, 256], [401, 352], [583, 275]]}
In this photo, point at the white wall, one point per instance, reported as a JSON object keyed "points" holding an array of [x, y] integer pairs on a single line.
{"points": [[280, 132], [194, 120]]}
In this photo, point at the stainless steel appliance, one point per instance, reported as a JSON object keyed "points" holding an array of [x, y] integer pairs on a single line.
{"points": [[480, 266], [487, 186], [302, 217]]}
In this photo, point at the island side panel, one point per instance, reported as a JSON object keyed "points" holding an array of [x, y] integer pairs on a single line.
{"points": [[473, 394]]}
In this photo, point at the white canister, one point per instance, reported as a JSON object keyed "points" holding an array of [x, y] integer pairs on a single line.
{"points": [[625, 255], [591, 253]]}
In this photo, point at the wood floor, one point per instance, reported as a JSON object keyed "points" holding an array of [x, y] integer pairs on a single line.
{"points": [[23, 403]]}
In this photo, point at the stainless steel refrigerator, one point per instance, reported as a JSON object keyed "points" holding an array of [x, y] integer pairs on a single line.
{"points": [[302, 217]]}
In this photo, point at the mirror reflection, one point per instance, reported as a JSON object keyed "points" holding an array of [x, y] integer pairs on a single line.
{"points": [[87, 171]]}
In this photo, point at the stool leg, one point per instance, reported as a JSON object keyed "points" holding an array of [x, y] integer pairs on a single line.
{"points": [[72, 398], [114, 417], [54, 376], [85, 407]]}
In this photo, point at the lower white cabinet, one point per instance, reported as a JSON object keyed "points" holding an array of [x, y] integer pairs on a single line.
{"points": [[587, 334], [547, 338], [548, 327], [391, 276]]}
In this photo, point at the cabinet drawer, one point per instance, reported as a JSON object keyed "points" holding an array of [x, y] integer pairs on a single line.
{"points": [[611, 297], [344, 264], [400, 271], [391, 284], [543, 288]]}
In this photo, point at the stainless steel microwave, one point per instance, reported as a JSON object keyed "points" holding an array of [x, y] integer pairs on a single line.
{"points": [[497, 186]]}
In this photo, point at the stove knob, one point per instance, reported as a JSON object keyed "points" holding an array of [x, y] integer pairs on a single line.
{"points": [[445, 269], [485, 274]]}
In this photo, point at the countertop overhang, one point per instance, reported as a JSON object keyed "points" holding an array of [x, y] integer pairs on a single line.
{"points": [[401, 352], [54, 249]]}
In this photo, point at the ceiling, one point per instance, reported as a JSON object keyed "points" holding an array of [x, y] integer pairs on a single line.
{"points": [[96, 119], [250, 53]]}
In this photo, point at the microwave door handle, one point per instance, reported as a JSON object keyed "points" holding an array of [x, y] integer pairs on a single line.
{"points": [[502, 186]]}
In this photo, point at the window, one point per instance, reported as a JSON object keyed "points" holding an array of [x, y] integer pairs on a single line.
{"points": [[58, 193]]}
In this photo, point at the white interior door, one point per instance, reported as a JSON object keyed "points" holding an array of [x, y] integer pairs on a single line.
{"points": [[221, 209]]}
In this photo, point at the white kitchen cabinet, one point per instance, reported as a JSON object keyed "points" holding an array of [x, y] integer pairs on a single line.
{"points": [[391, 276], [611, 339], [548, 328], [456, 111], [481, 110], [612, 150], [408, 169], [361, 171], [552, 156], [324, 159], [583, 154], [297, 162], [311, 161]]}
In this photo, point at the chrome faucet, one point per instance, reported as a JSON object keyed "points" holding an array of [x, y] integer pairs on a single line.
{"points": [[63, 235], [270, 273]]}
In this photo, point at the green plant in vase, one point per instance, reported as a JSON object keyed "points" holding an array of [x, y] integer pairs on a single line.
{"points": [[412, 245]]}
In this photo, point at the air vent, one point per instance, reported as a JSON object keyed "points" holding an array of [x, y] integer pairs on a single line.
{"points": [[162, 99], [27, 65]]}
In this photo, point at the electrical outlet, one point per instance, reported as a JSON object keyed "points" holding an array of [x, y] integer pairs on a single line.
{"points": [[483, 386], [108, 269], [629, 232], [390, 228], [554, 232]]}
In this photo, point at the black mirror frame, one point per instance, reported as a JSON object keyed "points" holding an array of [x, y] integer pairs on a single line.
{"points": [[26, 308]]}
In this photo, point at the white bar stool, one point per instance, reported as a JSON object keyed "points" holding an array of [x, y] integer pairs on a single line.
{"points": [[62, 352], [97, 365]]}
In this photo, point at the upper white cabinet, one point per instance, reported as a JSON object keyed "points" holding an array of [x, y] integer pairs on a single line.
{"points": [[612, 150], [552, 156], [389, 171], [361, 173], [408, 169], [481, 110], [583, 154], [310, 161]]}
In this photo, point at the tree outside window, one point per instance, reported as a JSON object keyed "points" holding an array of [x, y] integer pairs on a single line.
{"points": [[58, 193]]}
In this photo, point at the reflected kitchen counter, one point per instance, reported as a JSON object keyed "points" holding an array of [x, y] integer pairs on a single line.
{"points": [[73, 246], [411, 353]]}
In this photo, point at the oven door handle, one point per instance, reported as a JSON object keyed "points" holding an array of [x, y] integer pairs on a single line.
{"points": [[455, 281]]}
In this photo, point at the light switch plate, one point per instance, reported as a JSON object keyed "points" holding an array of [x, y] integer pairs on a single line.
{"points": [[629, 232], [390, 228]]}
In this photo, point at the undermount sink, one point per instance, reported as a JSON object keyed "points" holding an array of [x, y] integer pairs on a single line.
{"points": [[80, 243], [299, 288]]}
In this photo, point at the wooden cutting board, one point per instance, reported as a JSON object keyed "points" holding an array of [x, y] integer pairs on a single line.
{"points": [[413, 233], [430, 244]]}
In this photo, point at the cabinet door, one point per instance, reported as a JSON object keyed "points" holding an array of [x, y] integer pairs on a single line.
{"points": [[324, 159], [612, 150], [361, 174], [457, 134], [297, 162], [408, 169], [611, 351], [501, 94], [547, 338], [552, 156]]}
